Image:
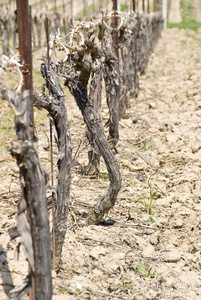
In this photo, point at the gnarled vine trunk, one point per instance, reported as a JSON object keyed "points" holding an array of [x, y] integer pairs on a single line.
{"points": [[95, 98], [111, 77], [56, 107], [77, 70], [36, 236]]}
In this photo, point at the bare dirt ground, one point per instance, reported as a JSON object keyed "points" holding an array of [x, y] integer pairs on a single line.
{"points": [[158, 212], [174, 15]]}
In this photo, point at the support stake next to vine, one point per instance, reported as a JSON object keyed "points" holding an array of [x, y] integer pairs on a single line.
{"points": [[51, 151]]}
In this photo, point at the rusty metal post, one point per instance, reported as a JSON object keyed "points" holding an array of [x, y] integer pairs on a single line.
{"points": [[51, 151], [24, 33], [134, 5]]}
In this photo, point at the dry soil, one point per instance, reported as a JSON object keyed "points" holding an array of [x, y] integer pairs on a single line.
{"points": [[158, 212]]}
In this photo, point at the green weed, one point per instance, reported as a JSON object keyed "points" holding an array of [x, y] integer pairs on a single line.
{"points": [[62, 290], [148, 202], [3, 145], [145, 144], [120, 166], [126, 286], [193, 25], [78, 291], [150, 220], [131, 183], [124, 6], [104, 175], [196, 199], [149, 144], [188, 95], [147, 273]]}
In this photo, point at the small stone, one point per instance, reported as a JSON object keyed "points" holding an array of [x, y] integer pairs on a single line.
{"points": [[154, 239], [177, 223], [172, 138], [96, 251], [80, 260], [135, 119], [130, 190], [149, 252], [152, 105], [171, 257], [96, 276]]}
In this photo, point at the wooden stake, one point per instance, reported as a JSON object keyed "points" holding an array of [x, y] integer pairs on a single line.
{"points": [[116, 46], [135, 63], [102, 31], [115, 33], [51, 151]]}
